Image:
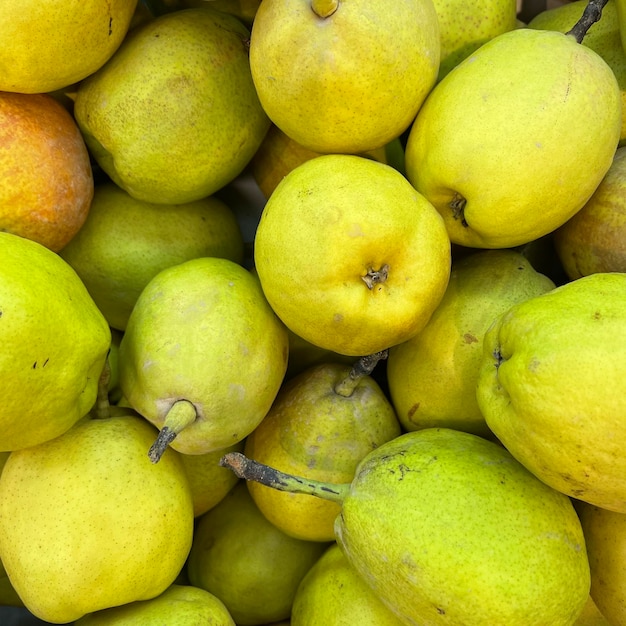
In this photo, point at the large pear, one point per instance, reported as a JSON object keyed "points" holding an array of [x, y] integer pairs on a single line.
{"points": [[344, 75], [514, 141]]}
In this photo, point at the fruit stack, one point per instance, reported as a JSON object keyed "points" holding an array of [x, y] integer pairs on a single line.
{"points": [[313, 312]]}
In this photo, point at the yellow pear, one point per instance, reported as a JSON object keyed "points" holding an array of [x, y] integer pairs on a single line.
{"points": [[591, 615], [513, 142], [551, 387], [125, 242], [603, 37], [174, 116], [350, 256], [47, 45], [87, 522], [344, 75], [178, 605], [432, 377], [594, 240], [322, 423], [333, 592], [54, 344], [248, 563], [605, 537]]}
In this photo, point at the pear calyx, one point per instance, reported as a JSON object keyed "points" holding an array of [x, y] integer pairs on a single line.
{"points": [[180, 415], [249, 469], [373, 277], [363, 367], [457, 204], [324, 8], [591, 14]]}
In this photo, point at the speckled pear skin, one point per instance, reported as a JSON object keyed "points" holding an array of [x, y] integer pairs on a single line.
{"points": [[448, 528]]}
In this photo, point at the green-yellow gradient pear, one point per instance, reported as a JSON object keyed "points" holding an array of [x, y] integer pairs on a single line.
{"points": [[552, 387], [54, 344], [514, 141]]}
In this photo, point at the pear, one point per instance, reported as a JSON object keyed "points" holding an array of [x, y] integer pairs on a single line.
{"points": [[178, 605], [88, 523], [551, 387], [54, 344], [243, 559], [603, 37], [344, 76], [449, 528], [303, 354], [465, 26], [322, 423], [594, 240], [203, 355], [591, 615], [605, 536], [125, 242], [432, 377], [174, 115], [333, 592], [513, 142]]}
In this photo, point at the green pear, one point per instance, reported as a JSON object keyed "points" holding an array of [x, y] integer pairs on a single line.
{"points": [[551, 387], [603, 37], [125, 242], [594, 240], [432, 377], [605, 537], [174, 115], [87, 522], [465, 26], [343, 76], [513, 142], [321, 424], [203, 355], [243, 559], [178, 605], [54, 344], [449, 528], [333, 592]]}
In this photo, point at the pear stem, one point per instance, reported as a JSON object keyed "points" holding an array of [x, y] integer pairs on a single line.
{"points": [[591, 14], [324, 8], [363, 367], [249, 469], [181, 414]]}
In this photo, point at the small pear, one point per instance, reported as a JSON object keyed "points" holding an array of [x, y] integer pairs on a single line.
{"points": [[243, 559], [178, 605], [333, 592], [449, 528], [322, 423], [203, 355]]}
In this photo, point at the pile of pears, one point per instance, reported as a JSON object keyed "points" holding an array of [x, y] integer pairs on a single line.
{"points": [[342, 339]]}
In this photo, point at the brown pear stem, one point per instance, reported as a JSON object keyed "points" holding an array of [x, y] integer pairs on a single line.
{"points": [[363, 367], [324, 8], [180, 415], [591, 14], [249, 469]]}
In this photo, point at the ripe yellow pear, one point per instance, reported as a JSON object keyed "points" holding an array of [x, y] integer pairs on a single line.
{"points": [[344, 75], [432, 377], [605, 537], [243, 559], [47, 45], [333, 592], [87, 522], [203, 355], [178, 605], [513, 142], [552, 387], [465, 26], [125, 242], [174, 116], [54, 344], [321, 424], [350, 256], [594, 240]]}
